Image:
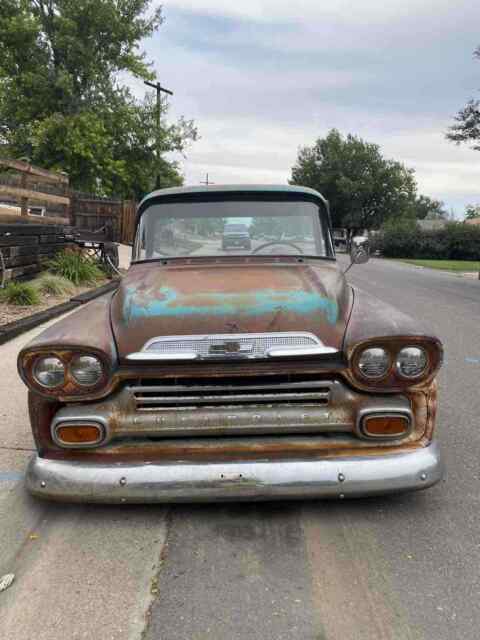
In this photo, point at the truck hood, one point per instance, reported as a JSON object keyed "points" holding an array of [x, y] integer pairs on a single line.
{"points": [[221, 297]]}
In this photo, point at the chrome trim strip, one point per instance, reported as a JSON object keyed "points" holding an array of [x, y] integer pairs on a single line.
{"points": [[160, 357], [345, 477], [285, 352], [178, 395], [248, 398], [266, 386]]}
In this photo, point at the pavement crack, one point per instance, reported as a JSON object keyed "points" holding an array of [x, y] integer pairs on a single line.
{"points": [[155, 588], [17, 449]]}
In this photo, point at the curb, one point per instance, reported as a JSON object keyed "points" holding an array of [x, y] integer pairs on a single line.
{"points": [[17, 327]]}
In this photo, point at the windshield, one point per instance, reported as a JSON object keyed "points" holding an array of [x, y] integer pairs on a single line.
{"points": [[229, 227]]}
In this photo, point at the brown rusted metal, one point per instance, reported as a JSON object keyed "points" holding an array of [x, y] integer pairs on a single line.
{"points": [[87, 327], [129, 414], [423, 405], [393, 344], [223, 297], [257, 448], [86, 331], [42, 411]]}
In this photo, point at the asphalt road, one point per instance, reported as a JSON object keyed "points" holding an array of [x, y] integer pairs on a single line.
{"points": [[404, 567]]}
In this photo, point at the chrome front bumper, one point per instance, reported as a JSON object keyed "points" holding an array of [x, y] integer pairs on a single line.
{"points": [[223, 481]]}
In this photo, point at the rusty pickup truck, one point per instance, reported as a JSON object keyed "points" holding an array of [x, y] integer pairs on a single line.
{"points": [[252, 373]]}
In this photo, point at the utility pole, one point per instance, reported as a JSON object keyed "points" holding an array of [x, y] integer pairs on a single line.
{"points": [[206, 181], [159, 89]]}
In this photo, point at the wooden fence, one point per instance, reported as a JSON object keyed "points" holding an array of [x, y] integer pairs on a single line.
{"points": [[29, 184], [113, 218], [24, 248], [24, 184]]}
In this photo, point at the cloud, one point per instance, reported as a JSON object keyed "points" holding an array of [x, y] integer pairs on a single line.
{"points": [[262, 78], [367, 12]]}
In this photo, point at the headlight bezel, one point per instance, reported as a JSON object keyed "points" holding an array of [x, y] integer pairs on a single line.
{"points": [[70, 389], [393, 381]]}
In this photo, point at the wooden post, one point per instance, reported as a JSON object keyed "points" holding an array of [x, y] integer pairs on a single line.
{"points": [[24, 201]]}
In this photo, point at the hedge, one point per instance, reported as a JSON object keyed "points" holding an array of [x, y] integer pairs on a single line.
{"points": [[456, 241]]}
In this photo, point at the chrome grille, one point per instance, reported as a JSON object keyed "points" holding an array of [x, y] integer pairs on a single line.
{"points": [[249, 345], [152, 397], [232, 406]]}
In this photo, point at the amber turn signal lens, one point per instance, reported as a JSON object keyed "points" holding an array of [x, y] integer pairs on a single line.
{"points": [[385, 426], [79, 434]]}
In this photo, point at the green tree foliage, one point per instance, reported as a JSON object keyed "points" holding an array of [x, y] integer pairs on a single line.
{"points": [[364, 188], [425, 208], [467, 127], [472, 211], [62, 103]]}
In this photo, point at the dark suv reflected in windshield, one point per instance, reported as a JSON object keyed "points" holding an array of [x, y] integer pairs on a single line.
{"points": [[236, 236]]}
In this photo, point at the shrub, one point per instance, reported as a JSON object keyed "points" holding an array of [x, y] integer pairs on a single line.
{"points": [[20, 293], [53, 285], [397, 239], [75, 267], [455, 241]]}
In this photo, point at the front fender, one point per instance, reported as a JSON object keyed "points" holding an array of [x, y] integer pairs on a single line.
{"points": [[371, 318], [89, 327]]}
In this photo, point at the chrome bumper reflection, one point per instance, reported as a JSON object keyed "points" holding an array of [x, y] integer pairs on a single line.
{"points": [[249, 480]]}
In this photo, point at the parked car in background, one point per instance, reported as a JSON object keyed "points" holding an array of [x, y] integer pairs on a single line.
{"points": [[236, 236], [214, 376]]}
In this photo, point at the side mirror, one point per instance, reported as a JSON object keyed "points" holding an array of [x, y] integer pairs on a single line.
{"points": [[359, 254]]}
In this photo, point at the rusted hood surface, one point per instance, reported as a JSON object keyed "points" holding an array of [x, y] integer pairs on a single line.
{"points": [[217, 298]]}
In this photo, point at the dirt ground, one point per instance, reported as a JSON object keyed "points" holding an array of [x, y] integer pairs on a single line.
{"points": [[11, 312]]}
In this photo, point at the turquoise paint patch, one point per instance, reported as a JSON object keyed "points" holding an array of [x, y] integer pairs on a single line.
{"points": [[267, 301]]}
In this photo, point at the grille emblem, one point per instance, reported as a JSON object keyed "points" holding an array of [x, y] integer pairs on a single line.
{"points": [[229, 347]]}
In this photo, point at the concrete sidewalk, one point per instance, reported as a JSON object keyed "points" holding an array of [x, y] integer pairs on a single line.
{"points": [[124, 255]]}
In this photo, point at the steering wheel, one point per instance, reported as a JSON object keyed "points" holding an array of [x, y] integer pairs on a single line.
{"points": [[270, 244]]}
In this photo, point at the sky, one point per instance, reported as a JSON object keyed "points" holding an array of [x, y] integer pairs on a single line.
{"points": [[261, 78]]}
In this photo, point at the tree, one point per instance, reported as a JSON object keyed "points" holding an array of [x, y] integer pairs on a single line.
{"points": [[61, 100], [467, 129], [364, 189], [425, 208], [472, 211]]}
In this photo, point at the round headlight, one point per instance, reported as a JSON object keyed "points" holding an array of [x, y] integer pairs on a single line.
{"points": [[49, 372], [374, 362], [411, 362], [86, 370]]}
